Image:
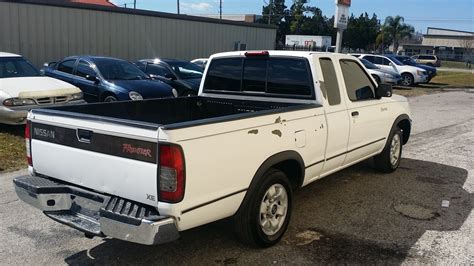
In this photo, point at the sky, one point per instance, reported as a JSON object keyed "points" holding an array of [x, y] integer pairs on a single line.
{"points": [[450, 14]]}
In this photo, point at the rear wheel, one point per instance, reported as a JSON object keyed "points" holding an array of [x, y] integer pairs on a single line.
{"points": [[263, 218], [110, 98], [407, 79], [389, 159]]}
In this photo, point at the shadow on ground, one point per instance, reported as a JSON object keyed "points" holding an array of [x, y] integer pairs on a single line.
{"points": [[13, 130], [355, 216]]}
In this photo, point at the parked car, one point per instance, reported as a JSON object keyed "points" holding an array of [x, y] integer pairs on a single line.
{"points": [[381, 75], [107, 79], [410, 75], [202, 62], [22, 89], [409, 61], [182, 75], [260, 129], [430, 60]]}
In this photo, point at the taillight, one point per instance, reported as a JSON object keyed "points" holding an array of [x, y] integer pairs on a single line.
{"points": [[257, 53], [28, 142], [171, 173]]}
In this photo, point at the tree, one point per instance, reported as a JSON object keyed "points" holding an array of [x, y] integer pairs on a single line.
{"points": [[278, 12], [297, 11], [361, 32], [396, 29], [467, 45]]}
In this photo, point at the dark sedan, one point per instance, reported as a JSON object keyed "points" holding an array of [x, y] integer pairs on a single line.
{"points": [[108, 79], [184, 76], [409, 61]]}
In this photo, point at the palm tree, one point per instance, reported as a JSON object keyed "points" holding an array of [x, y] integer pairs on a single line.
{"points": [[396, 29]]}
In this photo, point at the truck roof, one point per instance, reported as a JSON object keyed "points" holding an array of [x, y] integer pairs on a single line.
{"points": [[282, 53]]}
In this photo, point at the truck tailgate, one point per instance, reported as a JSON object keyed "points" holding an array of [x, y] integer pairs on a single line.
{"points": [[117, 159]]}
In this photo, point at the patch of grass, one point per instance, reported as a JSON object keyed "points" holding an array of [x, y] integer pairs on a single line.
{"points": [[453, 64], [454, 79], [12, 148], [417, 91]]}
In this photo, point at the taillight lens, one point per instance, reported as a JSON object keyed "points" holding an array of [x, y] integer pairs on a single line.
{"points": [[171, 173], [28, 142]]}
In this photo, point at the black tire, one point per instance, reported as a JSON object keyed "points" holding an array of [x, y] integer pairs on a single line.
{"points": [[110, 99], [383, 161], [377, 79], [407, 79], [247, 220]]}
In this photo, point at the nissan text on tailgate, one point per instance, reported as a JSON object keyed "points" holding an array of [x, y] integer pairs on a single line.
{"points": [[265, 123]]}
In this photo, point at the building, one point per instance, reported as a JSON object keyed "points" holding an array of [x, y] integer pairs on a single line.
{"points": [[92, 2], [49, 30], [445, 43], [308, 41], [234, 17]]}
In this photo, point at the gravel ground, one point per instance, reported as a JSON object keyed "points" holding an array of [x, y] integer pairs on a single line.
{"points": [[355, 216]]}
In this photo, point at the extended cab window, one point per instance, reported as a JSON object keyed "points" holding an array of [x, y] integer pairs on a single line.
{"points": [[267, 76], [330, 85], [67, 66], [358, 85]]}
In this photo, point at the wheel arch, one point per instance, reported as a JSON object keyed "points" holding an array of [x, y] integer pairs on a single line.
{"points": [[290, 162], [403, 122]]}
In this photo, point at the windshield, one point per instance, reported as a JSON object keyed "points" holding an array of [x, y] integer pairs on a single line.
{"points": [[186, 70], [395, 60], [368, 64], [407, 60], [12, 67], [116, 69]]}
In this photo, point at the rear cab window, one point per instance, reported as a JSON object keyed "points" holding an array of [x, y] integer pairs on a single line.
{"points": [[284, 77]]}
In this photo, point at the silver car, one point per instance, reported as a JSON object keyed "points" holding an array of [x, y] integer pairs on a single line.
{"points": [[381, 75]]}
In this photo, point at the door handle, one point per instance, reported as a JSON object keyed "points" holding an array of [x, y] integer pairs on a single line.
{"points": [[83, 135], [355, 113]]}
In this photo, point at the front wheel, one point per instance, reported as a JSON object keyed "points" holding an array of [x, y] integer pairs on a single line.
{"points": [[389, 159], [264, 217], [407, 79]]}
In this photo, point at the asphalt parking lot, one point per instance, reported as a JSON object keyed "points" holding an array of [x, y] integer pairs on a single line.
{"points": [[355, 216]]}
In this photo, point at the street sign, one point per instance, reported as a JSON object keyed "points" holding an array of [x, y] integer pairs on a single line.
{"points": [[342, 16]]}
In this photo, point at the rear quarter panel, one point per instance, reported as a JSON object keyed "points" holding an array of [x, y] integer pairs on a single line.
{"points": [[221, 159]]}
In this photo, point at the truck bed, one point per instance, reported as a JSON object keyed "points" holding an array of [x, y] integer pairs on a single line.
{"points": [[174, 112]]}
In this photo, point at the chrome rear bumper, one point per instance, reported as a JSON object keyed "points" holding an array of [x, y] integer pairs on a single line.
{"points": [[96, 214]]}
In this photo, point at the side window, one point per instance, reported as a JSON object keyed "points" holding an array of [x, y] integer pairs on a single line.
{"points": [[358, 85], [66, 66], [157, 70], [385, 61], [288, 76], [370, 58], [254, 77], [330, 86], [378, 60], [140, 65], [224, 75], [84, 69]]}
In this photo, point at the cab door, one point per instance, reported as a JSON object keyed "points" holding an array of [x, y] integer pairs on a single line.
{"points": [[335, 112], [368, 116]]}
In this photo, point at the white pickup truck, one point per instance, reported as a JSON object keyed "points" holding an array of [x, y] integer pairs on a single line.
{"points": [[265, 123]]}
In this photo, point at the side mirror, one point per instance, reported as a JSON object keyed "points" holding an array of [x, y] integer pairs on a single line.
{"points": [[92, 78], [170, 76], [383, 90], [48, 64]]}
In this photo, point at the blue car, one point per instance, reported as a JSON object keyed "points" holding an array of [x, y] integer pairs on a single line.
{"points": [[106, 79], [409, 61]]}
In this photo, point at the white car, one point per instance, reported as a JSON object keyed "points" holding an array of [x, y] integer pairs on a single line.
{"points": [[22, 89], [202, 62], [410, 75]]}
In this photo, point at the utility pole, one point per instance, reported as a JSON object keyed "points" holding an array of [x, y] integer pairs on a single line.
{"points": [[341, 19], [177, 3], [220, 9], [134, 4], [270, 13]]}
